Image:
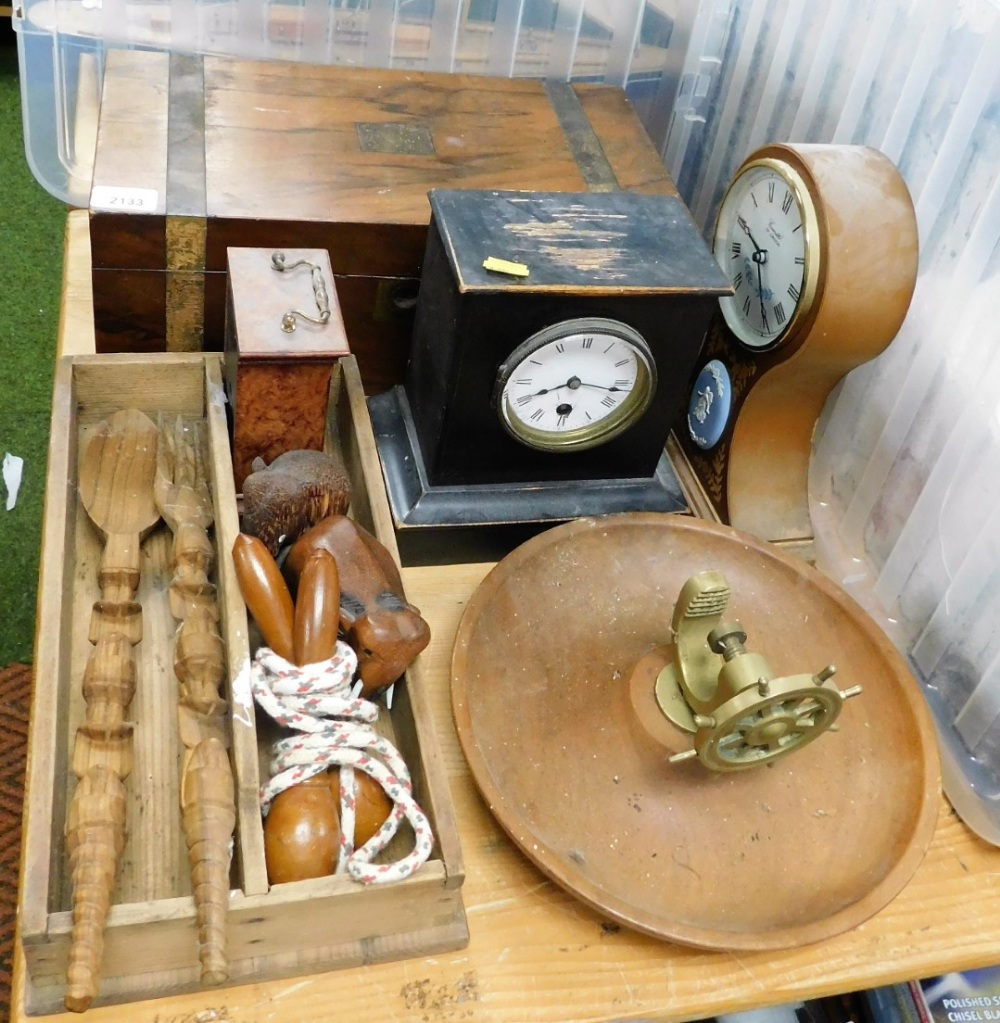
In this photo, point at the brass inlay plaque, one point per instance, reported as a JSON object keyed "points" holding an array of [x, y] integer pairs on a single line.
{"points": [[395, 137]]}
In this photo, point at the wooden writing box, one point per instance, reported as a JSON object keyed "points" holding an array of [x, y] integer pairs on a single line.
{"points": [[151, 937], [195, 155]]}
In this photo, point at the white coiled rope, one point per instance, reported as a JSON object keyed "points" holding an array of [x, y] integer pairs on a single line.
{"points": [[335, 729]]}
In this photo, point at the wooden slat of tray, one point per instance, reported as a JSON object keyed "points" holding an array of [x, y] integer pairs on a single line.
{"points": [[370, 506], [233, 622], [51, 661]]}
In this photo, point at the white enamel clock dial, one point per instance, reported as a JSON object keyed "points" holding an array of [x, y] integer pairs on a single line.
{"points": [[575, 384], [765, 240]]}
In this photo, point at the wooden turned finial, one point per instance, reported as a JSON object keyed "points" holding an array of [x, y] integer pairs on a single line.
{"points": [[95, 840], [209, 810]]}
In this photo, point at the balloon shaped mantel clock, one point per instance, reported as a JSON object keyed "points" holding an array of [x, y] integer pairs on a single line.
{"points": [[555, 335], [820, 245]]}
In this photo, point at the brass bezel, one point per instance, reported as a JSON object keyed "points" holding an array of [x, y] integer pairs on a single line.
{"points": [[804, 195], [615, 423]]}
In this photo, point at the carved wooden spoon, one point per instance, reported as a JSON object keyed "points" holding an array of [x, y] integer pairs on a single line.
{"points": [[116, 488]]}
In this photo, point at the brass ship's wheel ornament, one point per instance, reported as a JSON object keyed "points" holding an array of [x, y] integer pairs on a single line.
{"points": [[740, 714]]}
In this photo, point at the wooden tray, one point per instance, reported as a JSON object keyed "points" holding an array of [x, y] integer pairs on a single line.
{"points": [[774, 857], [287, 930]]}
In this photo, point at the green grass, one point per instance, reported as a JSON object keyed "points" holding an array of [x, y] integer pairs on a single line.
{"points": [[32, 223]]}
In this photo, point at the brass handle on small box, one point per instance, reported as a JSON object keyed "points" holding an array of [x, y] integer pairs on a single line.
{"points": [[322, 296]]}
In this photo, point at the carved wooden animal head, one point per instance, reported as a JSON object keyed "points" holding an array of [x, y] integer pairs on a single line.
{"points": [[384, 629], [387, 639], [285, 498]]}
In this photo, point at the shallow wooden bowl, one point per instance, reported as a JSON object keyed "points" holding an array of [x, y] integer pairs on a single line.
{"points": [[773, 857]]}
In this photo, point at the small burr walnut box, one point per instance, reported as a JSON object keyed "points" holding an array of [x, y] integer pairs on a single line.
{"points": [[284, 331], [152, 936]]}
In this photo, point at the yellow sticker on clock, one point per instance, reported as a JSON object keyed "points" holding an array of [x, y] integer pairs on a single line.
{"points": [[505, 266]]}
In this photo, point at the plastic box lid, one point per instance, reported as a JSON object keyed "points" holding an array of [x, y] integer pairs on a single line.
{"points": [[62, 44]]}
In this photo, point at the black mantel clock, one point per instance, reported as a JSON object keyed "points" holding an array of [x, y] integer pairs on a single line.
{"points": [[545, 388]]}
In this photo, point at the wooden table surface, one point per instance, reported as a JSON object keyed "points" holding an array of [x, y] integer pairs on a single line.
{"points": [[536, 953]]}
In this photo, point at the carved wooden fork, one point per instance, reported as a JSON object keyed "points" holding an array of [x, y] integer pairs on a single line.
{"points": [[184, 498]]}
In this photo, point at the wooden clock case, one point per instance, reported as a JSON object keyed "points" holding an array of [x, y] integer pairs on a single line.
{"points": [[636, 259], [755, 477]]}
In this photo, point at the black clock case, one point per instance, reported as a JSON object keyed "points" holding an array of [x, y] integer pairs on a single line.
{"points": [[450, 382], [633, 257]]}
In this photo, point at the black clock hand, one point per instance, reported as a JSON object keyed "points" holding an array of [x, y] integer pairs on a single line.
{"points": [[546, 390], [760, 258], [760, 295], [575, 382], [602, 387], [745, 227]]}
